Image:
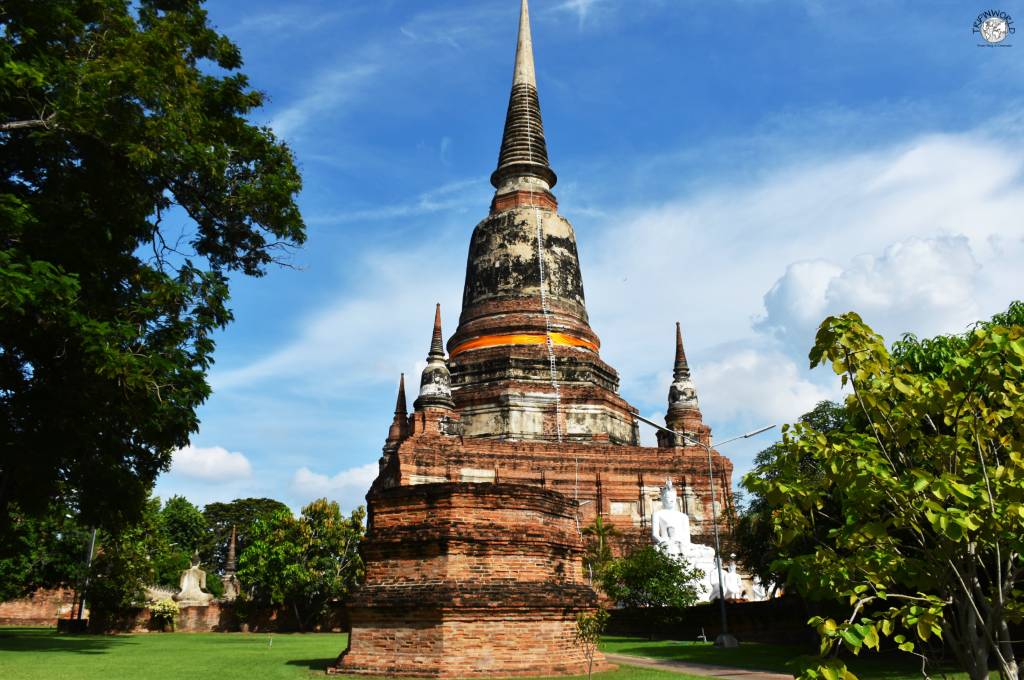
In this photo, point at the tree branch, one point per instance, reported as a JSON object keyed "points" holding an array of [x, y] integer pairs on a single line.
{"points": [[25, 124]]}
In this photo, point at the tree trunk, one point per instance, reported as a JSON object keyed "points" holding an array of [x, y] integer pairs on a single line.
{"points": [[1006, 647], [966, 638]]}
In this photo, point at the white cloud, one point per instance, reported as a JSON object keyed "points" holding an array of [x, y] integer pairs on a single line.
{"points": [[456, 196], [581, 8], [928, 285], [210, 464], [922, 236], [348, 487], [375, 331], [327, 91], [758, 386]]}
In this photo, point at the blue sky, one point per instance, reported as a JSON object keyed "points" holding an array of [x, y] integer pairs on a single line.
{"points": [[743, 167]]}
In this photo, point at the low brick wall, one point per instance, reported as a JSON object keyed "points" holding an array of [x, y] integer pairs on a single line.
{"points": [[42, 608], [220, 617]]}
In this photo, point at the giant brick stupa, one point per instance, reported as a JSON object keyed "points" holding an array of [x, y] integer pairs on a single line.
{"points": [[517, 439]]}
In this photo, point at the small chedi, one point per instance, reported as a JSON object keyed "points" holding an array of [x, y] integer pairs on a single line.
{"points": [[193, 586], [230, 580], [518, 438]]}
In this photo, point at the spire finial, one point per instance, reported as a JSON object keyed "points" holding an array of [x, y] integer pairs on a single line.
{"points": [[229, 567], [524, 72], [436, 344], [401, 407], [524, 153], [682, 368]]}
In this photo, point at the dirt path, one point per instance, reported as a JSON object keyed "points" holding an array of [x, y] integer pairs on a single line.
{"points": [[707, 670]]}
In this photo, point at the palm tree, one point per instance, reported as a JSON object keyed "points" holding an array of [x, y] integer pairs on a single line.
{"points": [[599, 551]]}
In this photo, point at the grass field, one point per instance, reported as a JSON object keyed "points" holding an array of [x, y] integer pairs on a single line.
{"points": [[891, 665], [41, 654]]}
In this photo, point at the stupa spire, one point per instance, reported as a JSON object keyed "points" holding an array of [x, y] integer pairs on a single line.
{"points": [[401, 407], [683, 393], [399, 423], [436, 343], [231, 562], [524, 153], [436, 381], [524, 72], [681, 369]]}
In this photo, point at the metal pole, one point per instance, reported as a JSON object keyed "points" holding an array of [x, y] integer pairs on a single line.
{"points": [[718, 547], [724, 638], [88, 568]]}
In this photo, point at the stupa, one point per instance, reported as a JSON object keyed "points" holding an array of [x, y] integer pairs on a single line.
{"points": [[517, 439]]}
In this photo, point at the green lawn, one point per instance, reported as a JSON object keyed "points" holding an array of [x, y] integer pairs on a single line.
{"points": [[869, 666], [42, 654]]}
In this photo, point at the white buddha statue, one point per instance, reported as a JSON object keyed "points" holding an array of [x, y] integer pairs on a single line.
{"points": [[670, 530], [193, 583]]}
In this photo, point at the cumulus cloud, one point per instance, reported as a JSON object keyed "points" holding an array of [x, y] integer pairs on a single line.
{"points": [[348, 487], [922, 236], [759, 386], [210, 464], [927, 285]]}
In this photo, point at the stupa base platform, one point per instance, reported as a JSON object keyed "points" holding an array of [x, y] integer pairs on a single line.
{"points": [[478, 645], [469, 580]]}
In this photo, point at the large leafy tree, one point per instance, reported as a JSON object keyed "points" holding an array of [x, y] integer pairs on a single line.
{"points": [[240, 514], [922, 494], [754, 534], [131, 186], [42, 552], [303, 563], [126, 561]]}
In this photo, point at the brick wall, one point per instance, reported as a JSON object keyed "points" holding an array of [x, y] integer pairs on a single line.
{"points": [[42, 608], [622, 483]]}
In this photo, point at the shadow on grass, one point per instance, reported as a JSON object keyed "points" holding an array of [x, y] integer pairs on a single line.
{"points": [[48, 640], [312, 664]]}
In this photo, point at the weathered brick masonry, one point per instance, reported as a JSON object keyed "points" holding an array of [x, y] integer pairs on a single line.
{"points": [[518, 439], [41, 608], [469, 580]]}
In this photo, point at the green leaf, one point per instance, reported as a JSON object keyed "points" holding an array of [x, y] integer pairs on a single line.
{"points": [[871, 638], [851, 640]]}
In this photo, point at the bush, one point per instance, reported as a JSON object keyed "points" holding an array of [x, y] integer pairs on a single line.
{"points": [[650, 578], [164, 612]]}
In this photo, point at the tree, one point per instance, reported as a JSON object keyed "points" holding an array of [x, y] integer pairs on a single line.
{"points": [[183, 524], [131, 186], [125, 562], [923, 493], [182, 532], [42, 552], [303, 563], [598, 550], [649, 578], [589, 627], [241, 514], [754, 534]]}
